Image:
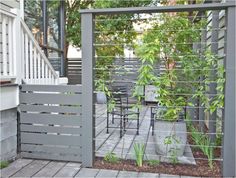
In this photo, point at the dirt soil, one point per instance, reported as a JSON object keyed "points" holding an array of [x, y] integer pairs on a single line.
{"points": [[201, 168]]}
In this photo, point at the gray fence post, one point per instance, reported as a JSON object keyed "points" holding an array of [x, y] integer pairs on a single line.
{"points": [[230, 96], [88, 109]]}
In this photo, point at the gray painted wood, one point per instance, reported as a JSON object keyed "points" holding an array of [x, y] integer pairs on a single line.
{"points": [[51, 149], [69, 170], [51, 156], [50, 139], [46, 98], [50, 170], [31, 168], [50, 129], [65, 120], [51, 132], [88, 108], [15, 167], [159, 9], [52, 88], [229, 138], [49, 108]]}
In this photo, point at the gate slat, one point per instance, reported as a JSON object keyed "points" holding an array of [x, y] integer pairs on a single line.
{"points": [[50, 129], [43, 108], [51, 156], [50, 149], [57, 119], [46, 98], [49, 139], [52, 88]]}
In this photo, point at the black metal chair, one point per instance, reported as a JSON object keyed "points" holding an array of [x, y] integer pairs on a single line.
{"points": [[122, 108]]}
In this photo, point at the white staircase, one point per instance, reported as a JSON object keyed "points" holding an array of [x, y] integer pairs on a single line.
{"points": [[22, 59]]}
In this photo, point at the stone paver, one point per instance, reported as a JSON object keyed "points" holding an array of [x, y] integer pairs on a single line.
{"points": [[147, 175], [69, 170], [168, 176], [125, 174], [86, 172], [123, 148], [107, 173]]}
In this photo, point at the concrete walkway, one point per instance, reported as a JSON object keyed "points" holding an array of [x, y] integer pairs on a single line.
{"points": [[123, 148], [25, 168]]}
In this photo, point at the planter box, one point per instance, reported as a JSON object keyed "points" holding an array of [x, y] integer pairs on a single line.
{"points": [[101, 98], [150, 93], [164, 130]]}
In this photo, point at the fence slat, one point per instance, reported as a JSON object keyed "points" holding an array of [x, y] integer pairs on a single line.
{"points": [[45, 98], [43, 108], [49, 139], [60, 119], [52, 88], [50, 129], [51, 149], [51, 157]]}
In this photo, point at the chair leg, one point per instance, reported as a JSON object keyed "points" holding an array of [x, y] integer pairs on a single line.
{"points": [[113, 117], [152, 127], [121, 128], [124, 122], [107, 122], [138, 124]]}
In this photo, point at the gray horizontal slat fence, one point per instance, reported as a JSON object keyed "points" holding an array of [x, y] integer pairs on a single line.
{"points": [[56, 63], [51, 122], [74, 70]]}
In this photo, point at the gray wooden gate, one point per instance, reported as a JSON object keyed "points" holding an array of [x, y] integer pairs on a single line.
{"points": [[50, 122]]}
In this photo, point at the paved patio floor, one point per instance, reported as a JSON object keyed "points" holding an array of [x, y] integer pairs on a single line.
{"points": [[123, 147], [26, 168]]}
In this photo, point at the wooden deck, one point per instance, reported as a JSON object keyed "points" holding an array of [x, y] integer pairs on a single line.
{"points": [[28, 168], [123, 147]]}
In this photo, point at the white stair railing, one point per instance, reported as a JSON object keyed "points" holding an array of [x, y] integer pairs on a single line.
{"points": [[22, 57], [8, 71], [37, 68]]}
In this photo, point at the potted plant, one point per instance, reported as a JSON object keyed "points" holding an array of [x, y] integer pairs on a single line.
{"points": [[101, 91]]}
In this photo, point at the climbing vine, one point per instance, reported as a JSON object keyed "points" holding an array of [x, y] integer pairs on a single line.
{"points": [[169, 44]]}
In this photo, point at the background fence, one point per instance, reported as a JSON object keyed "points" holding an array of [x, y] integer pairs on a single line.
{"points": [[74, 70]]}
